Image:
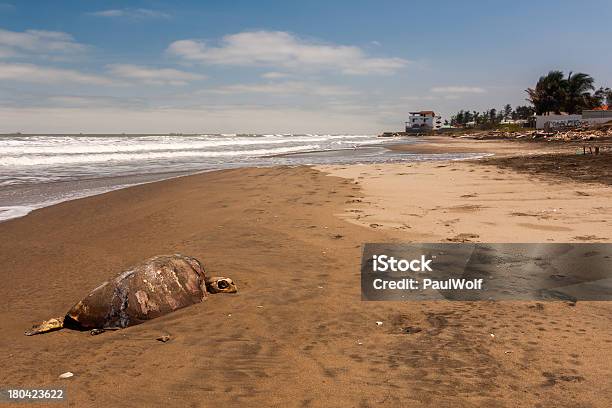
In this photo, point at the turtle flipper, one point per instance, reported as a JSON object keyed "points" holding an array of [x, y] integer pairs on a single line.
{"points": [[55, 323]]}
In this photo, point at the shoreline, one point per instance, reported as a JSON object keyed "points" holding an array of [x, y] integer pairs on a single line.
{"points": [[297, 330], [96, 186], [56, 192]]}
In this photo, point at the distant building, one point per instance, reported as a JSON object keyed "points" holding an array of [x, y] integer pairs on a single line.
{"points": [[597, 115], [514, 121], [423, 121]]}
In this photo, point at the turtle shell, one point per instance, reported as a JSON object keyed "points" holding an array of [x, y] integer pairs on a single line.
{"points": [[151, 289]]}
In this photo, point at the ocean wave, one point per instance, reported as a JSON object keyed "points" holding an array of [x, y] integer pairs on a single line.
{"points": [[50, 145], [146, 155]]}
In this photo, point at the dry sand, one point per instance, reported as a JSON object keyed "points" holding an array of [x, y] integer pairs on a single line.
{"points": [[468, 201], [298, 334]]}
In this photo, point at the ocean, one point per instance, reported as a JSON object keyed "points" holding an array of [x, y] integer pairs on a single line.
{"points": [[41, 170]]}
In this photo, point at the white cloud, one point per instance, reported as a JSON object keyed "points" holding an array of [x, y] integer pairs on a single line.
{"points": [[417, 98], [85, 101], [39, 74], [286, 88], [274, 75], [153, 76], [13, 43], [117, 75], [138, 13], [458, 89], [276, 48]]}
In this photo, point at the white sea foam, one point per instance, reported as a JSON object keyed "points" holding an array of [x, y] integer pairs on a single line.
{"points": [[99, 145], [16, 211], [36, 160]]}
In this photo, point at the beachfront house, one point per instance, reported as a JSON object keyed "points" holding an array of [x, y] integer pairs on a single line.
{"points": [[423, 121]]}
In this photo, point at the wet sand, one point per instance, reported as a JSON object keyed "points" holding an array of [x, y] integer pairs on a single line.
{"points": [[297, 334]]}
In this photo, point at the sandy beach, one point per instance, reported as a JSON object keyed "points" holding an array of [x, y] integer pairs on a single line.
{"points": [[297, 333]]}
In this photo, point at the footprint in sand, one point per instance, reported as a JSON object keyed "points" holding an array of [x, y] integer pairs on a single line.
{"points": [[464, 208], [543, 227]]}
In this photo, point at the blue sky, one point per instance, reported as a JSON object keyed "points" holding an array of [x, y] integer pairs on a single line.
{"points": [[281, 66]]}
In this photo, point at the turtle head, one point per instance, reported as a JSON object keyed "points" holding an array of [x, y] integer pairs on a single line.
{"points": [[219, 284]]}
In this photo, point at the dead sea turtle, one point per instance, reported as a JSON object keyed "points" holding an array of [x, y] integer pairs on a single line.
{"points": [[151, 289]]}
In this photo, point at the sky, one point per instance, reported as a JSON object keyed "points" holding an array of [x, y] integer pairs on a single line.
{"points": [[281, 66]]}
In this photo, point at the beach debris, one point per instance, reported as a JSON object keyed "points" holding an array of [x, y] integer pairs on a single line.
{"points": [[379, 323], [492, 335], [55, 323], [65, 375], [165, 338], [463, 237], [411, 330], [508, 352], [574, 133], [95, 332], [538, 306], [359, 342], [259, 306], [229, 315], [151, 289]]}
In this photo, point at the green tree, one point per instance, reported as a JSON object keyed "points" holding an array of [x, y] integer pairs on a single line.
{"points": [[602, 96], [507, 112], [523, 112], [467, 117], [457, 119], [492, 115], [548, 94], [556, 93], [577, 94]]}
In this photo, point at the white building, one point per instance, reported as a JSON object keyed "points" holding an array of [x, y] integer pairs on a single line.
{"points": [[597, 116], [423, 120], [514, 121]]}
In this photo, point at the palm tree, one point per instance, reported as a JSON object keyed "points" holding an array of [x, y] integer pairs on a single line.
{"points": [[549, 93], [555, 93], [577, 89]]}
